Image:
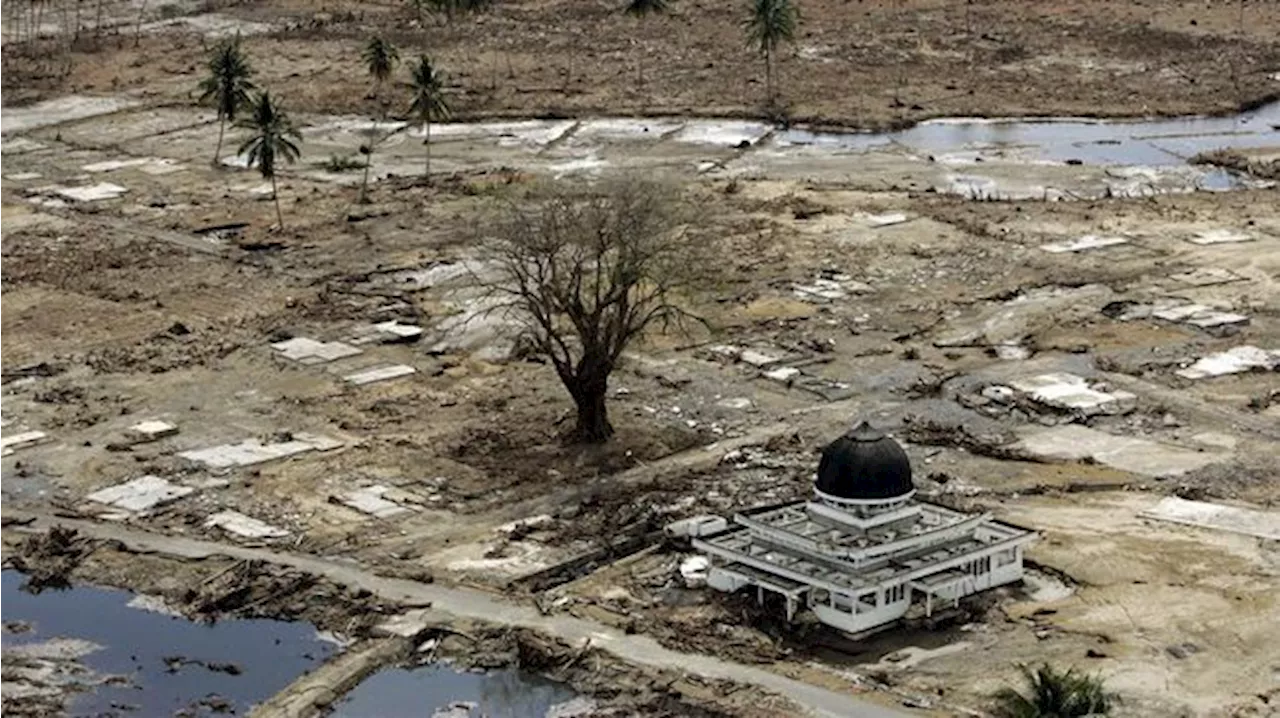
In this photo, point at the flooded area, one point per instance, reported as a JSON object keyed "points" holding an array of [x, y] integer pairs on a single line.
{"points": [[145, 662], [444, 692]]}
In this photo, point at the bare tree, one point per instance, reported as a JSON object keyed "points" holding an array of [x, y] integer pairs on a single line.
{"points": [[585, 273]]}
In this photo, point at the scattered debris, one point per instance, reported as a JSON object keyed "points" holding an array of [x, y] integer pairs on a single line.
{"points": [[1251, 522], [141, 494], [376, 374], [876, 221], [695, 526], [48, 558], [830, 286], [1199, 316], [694, 571], [310, 351], [1082, 244], [246, 526], [253, 451]]}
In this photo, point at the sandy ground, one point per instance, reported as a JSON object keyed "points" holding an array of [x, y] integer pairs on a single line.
{"points": [[151, 306]]}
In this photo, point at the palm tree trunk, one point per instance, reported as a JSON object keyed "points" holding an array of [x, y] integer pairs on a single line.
{"points": [[217, 152], [364, 183], [275, 195], [427, 142], [768, 75]]}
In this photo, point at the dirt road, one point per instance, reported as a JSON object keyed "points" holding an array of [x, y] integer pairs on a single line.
{"points": [[479, 606]]}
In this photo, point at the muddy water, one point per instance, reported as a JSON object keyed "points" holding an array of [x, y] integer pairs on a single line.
{"points": [[431, 690], [135, 643], [1099, 142]]}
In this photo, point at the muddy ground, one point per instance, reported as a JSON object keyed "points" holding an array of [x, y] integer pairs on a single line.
{"points": [[162, 303]]}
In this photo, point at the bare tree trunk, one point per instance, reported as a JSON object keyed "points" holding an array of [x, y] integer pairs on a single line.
{"points": [[427, 142], [275, 195], [593, 425], [97, 24], [222, 128]]}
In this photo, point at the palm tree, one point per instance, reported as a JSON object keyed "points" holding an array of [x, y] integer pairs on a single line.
{"points": [[380, 56], [227, 86], [771, 23], [428, 101], [1054, 694], [642, 8], [274, 138]]}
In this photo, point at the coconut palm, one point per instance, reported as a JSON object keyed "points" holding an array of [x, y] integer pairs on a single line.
{"points": [[642, 8], [771, 23], [274, 139], [1054, 694], [227, 86], [380, 57], [428, 100]]}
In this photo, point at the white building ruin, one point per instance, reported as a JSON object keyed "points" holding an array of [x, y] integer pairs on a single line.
{"points": [[862, 552]]}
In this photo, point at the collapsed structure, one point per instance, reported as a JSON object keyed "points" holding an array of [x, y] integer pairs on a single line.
{"points": [[863, 551]]}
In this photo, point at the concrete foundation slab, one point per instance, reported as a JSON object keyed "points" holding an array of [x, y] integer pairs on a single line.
{"points": [[1233, 361], [390, 332], [1220, 236], [1082, 244], [309, 351], [722, 133], [759, 359], [91, 193], [63, 109], [369, 376], [141, 494], [1073, 393], [252, 451], [152, 430], [371, 500], [1250, 522], [875, 221], [1072, 442], [234, 522], [11, 442], [1206, 277]]}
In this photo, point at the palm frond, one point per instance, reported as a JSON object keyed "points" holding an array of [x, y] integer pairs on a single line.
{"points": [[380, 57], [642, 8], [1053, 694], [274, 136]]}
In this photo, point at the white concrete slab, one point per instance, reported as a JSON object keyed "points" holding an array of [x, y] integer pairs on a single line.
{"points": [[234, 522], [1220, 236], [1233, 361], [152, 430], [875, 221], [141, 494], [369, 376], [62, 109], [624, 129], [1072, 442], [1199, 316], [782, 374], [91, 193], [1073, 393], [386, 332], [11, 442], [309, 351], [1250, 522], [1082, 244], [23, 176], [371, 500], [760, 359], [829, 290], [252, 451]]}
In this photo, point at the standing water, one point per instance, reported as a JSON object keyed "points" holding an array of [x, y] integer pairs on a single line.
{"points": [[168, 663]]}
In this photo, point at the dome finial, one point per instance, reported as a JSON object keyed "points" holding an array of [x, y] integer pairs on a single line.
{"points": [[864, 465]]}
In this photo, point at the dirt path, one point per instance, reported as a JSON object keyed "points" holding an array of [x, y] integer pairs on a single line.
{"points": [[480, 606]]}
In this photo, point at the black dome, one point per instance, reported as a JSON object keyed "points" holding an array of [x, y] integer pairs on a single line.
{"points": [[864, 464]]}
